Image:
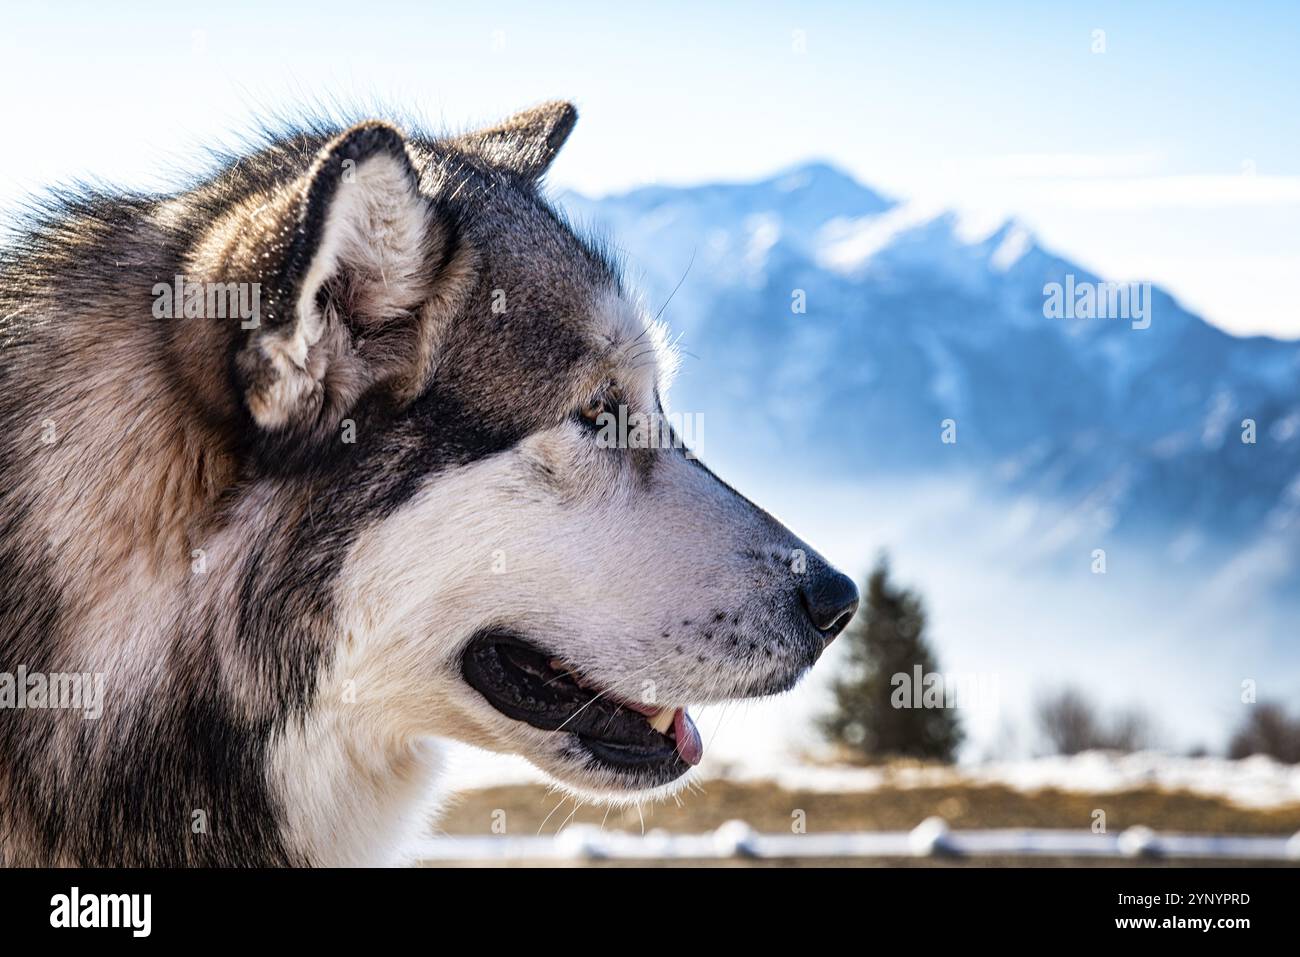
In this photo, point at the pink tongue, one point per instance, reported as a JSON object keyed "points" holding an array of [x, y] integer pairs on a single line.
{"points": [[689, 745]]}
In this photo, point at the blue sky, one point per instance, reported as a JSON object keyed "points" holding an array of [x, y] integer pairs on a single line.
{"points": [[1172, 155]]}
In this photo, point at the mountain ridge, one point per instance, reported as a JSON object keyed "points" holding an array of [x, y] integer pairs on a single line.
{"points": [[914, 316]]}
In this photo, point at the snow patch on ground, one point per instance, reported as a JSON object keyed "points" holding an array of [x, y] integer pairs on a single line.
{"points": [[1257, 782]]}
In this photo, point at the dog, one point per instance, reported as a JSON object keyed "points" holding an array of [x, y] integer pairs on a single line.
{"points": [[361, 500]]}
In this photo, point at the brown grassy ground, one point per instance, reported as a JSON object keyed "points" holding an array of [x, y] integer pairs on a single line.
{"points": [[768, 808]]}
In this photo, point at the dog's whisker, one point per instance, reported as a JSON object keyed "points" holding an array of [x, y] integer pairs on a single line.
{"points": [[542, 826], [614, 687], [676, 287], [576, 805]]}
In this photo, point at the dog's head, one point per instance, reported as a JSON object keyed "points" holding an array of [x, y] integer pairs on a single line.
{"points": [[534, 563]]}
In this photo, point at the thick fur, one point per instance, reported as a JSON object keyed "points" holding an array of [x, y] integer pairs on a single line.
{"points": [[274, 540]]}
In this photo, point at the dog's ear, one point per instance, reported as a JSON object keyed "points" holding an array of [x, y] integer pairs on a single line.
{"points": [[354, 257], [527, 142]]}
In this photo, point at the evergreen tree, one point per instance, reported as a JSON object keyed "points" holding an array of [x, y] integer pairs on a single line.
{"points": [[873, 717]]}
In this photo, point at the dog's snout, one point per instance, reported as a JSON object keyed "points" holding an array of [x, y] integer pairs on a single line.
{"points": [[830, 599]]}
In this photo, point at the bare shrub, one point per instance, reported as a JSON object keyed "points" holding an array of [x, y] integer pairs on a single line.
{"points": [[1071, 722], [1267, 729]]}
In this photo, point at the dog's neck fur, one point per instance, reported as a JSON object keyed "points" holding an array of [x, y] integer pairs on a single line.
{"points": [[354, 796]]}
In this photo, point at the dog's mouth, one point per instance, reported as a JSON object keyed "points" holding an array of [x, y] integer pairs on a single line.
{"points": [[525, 683]]}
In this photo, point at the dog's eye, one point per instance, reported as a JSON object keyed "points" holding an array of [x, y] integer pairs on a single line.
{"points": [[589, 414], [592, 411]]}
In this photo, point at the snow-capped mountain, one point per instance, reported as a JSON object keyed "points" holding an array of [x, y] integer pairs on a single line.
{"points": [[824, 323]]}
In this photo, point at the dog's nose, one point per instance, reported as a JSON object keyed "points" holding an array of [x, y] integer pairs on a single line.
{"points": [[830, 600]]}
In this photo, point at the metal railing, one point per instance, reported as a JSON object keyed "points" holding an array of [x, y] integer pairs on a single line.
{"points": [[932, 837]]}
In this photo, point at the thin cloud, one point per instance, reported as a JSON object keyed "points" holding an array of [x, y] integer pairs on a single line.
{"points": [[1160, 192], [1061, 165]]}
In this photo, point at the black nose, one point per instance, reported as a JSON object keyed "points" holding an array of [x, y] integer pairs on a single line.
{"points": [[830, 600]]}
